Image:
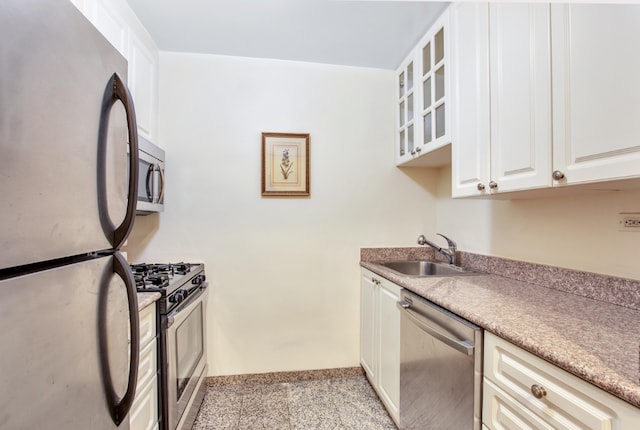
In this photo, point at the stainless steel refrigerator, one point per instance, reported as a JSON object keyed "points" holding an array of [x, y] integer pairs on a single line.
{"points": [[68, 308]]}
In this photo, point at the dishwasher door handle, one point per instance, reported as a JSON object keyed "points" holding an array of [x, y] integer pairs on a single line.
{"points": [[464, 346]]}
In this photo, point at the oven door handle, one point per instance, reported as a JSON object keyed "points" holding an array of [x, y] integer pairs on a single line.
{"points": [[186, 307]]}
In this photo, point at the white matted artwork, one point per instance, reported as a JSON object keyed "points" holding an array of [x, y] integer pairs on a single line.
{"points": [[285, 164]]}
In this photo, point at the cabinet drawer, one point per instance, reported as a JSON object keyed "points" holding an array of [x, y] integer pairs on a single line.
{"points": [[148, 364], [147, 325], [568, 402], [502, 412], [144, 412]]}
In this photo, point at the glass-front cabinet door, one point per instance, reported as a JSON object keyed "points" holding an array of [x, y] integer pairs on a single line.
{"points": [[423, 132], [406, 99]]}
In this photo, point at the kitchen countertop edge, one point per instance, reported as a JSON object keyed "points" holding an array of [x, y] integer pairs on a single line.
{"points": [[147, 299], [542, 321]]}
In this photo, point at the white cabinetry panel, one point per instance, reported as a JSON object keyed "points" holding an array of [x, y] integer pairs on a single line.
{"points": [[471, 137], [520, 95], [523, 391], [143, 63], [380, 338], [596, 93]]}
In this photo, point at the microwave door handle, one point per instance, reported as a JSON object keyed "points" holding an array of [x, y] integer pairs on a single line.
{"points": [[150, 170], [116, 91], [161, 195]]}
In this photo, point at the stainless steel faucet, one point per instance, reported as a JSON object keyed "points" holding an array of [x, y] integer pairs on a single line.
{"points": [[449, 253]]}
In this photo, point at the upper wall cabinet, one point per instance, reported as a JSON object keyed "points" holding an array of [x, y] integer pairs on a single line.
{"points": [[501, 97], [423, 116], [596, 132], [580, 130], [119, 25], [143, 83]]}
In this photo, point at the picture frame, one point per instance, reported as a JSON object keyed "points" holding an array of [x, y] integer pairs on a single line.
{"points": [[285, 164]]}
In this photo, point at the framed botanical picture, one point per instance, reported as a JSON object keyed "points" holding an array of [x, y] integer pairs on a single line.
{"points": [[285, 164]]}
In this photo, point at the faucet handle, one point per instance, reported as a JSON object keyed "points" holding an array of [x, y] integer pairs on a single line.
{"points": [[450, 242], [422, 240]]}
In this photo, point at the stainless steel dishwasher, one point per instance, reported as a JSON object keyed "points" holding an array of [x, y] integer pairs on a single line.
{"points": [[440, 368]]}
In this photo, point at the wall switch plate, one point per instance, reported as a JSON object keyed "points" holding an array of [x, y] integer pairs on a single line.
{"points": [[629, 221]]}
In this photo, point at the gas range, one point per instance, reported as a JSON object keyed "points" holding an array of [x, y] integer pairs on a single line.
{"points": [[174, 281], [182, 344]]}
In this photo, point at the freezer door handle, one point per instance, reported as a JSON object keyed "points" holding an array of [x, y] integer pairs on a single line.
{"points": [[115, 91], [119, 406]]}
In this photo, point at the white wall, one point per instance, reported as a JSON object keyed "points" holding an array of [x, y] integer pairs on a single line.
{"points": [[283, 273], [576, 232]]}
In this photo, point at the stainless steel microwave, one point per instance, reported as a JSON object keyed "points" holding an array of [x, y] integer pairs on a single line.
{"points": [[151, 179]]}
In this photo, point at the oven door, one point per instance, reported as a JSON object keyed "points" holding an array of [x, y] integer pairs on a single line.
{"points": [[186, 355]]}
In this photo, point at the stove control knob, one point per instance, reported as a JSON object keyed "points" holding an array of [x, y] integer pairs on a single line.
{"points": [[178, 296], [198, 280]]}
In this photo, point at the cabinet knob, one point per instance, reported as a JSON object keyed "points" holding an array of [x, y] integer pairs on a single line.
{"points": [[538, 391], [480, 187], [418, 149], [557, 175], [413, 152], [493, 185]]}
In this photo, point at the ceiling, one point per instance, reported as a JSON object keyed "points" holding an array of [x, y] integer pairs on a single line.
{"points": [[361, 33]]}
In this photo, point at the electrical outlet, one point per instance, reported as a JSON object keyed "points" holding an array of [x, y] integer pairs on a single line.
{"points": [[629, 221]]}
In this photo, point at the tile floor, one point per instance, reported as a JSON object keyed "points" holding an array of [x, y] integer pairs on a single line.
{"points": [[336, 403]]}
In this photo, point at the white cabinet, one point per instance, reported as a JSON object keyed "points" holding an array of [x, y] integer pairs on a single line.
{"points": [[144, 411], [423, 107], [505, 48], [143, 83], [471, 136], [119, 25], [522, 391], [368, 323], [595, 90], [581, 129], [380, 338]]}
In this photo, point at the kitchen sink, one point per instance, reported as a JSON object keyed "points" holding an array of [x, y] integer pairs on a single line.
{"points": [[426, 268]]}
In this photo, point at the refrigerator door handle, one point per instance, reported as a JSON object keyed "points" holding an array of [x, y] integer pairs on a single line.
{"points": [[119, 407], [115, 91]]}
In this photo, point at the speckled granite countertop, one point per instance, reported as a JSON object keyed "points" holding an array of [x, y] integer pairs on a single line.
{"points": [[146, 299], [593, 339]]}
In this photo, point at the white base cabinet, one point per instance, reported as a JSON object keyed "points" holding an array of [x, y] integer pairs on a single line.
{"points": [[522, 391], [144, 411], [380, 338]]}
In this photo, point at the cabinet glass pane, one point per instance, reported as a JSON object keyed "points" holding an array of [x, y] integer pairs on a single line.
{"points": [[402, 152], [426, 59], [439, 83], [426, 93], [401, 85], [438, 42], [409, 77], [409, 107], [410, 138], [401, 113], [440, 121], [427, 128]]}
